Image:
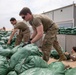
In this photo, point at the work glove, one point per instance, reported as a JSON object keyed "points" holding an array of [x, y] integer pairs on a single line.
{"points": [[26, 43]]}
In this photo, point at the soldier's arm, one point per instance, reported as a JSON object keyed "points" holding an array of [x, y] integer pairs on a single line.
{"points": [[39, 33], [11, 36]]}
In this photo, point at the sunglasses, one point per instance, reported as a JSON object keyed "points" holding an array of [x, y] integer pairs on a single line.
{"points": [[23, 17]]}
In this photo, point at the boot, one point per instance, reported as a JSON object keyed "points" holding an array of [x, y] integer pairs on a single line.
{"points": [[59, 50], [62, 57], [61, 54]]}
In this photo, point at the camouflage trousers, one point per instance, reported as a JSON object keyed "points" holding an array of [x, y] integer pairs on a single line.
{"points": [[25, 37], [50, 40]]}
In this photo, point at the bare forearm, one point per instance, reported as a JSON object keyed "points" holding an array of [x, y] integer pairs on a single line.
{"points": [[36, 38], [11, 37], [39, 33]]}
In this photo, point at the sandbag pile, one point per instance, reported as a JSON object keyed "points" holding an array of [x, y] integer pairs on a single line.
{"points": [[4, 36], [28, 60]]}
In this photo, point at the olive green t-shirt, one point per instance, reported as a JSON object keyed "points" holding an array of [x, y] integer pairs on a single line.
{"points": [[41, 20], [22, 27]]}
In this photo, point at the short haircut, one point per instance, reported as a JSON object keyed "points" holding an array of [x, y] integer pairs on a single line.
{"points": [[24, 11], [12, 19], [74, 48]]}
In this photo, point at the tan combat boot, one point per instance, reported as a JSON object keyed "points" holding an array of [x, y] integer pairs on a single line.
{"points": [[62, 57], [61, 54]]}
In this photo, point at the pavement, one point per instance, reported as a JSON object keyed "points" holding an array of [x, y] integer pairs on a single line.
{"points": [[66, 63]]}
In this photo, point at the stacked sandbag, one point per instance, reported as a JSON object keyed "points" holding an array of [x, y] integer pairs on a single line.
{"points": [[12, 73], [9, 52], [38, 71], [4, 66], [4, 36], [30, 62], [55, 68], [30, 49], [71, 71]]}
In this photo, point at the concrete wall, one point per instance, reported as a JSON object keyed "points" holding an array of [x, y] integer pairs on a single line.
{"points": [[75, 15], [61, 39], [49, 14], [63, 14], [67, 41], [70, 41]]}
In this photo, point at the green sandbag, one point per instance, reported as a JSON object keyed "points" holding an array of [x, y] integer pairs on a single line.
{"points": [[5, 39], [31, 62], [71, 71], [55, 54], [4, 67], [5, 52], [8, 52], [8, 33], [12, 73], [3, 33], [5, 46], [2, 42], [15, 49], [30, 49], [2, 59], [57, 67], [38, 71], [35, 61], [1, 47]]}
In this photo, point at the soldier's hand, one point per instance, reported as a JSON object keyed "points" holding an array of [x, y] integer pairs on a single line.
{"points": [[8, 42], [26, 43]]}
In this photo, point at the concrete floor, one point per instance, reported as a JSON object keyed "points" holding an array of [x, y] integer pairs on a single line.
{"points": [[70, 63]]}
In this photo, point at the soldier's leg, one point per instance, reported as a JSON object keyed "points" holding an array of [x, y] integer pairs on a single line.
{"points": [[26, 37], [18, 40], [58, 49], [47, 46]]}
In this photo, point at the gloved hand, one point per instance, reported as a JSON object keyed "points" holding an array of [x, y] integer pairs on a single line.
{"points": [[29, 42], [24, 44]]}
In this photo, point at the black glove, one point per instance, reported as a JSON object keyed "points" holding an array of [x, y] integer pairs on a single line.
{"points": [[24, 44], [29, 42]]}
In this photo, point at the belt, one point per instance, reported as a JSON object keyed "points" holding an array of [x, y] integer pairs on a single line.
{"points": [[50, 27]]}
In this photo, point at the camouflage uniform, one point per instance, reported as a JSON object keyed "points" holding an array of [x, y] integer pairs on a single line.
{"points": [[24, 33], [50, 39]]}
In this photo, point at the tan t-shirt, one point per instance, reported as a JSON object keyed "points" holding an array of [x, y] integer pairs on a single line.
{"points": [[22, 27], [41, 19]]}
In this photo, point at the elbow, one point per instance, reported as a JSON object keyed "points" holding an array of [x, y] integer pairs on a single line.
{"points": [[41, 35]]}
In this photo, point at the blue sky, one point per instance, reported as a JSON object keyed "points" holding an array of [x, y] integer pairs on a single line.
{"points": [[11, 8]]}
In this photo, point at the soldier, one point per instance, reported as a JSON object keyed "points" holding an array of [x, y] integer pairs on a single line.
{"points": [[43, 24], [71, 56], [23, 34]]}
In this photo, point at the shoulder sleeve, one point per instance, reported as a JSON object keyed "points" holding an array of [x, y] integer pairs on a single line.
{"points": [[37, 22], [19, 25]]}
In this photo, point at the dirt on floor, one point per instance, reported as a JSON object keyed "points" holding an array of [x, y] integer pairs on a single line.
{"points": [[66, 63]]}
